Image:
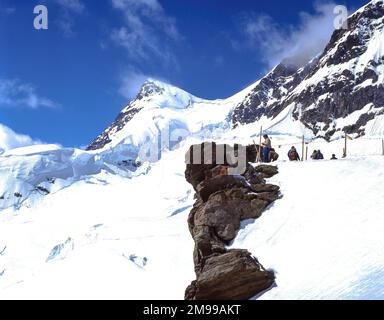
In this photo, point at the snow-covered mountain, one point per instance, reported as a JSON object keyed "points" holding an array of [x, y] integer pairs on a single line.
{"points": [[160, 107], [111, 221], [340, 90]]}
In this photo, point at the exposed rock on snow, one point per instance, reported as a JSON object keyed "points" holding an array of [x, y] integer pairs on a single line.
{"points": [[223, 201], [346, 78], [233, 275]]}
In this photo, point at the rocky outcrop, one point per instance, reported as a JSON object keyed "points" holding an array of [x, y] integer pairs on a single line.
{"points": [[345, 78], [234, 275], [222, 202]]}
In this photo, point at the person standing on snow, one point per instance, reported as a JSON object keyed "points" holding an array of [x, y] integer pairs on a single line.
{"points": [[319, 155], [267, 145], [314, 155], [333, 157], [293, 155]]}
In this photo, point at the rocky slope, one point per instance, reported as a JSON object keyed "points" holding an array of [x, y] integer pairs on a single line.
{"points": [[340, 90], [346, 79], [222, 202]]}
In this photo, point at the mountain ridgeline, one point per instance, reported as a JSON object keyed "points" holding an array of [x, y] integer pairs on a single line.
{"points": [[339, 91]]}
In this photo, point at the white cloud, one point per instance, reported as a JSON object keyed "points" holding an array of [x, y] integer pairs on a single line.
{"points": [[300, 43], [75, 6], [66, 20], [7, 10], [131, 82], [10, 139], [146, 31], [13, 93]]}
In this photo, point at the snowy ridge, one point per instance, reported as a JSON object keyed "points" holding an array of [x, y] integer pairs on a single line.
{"points": [[160, 106], [110, 223], [344, 79]]}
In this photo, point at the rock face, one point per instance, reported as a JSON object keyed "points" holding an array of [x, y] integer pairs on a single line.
{"points": [[126, 115], [339, 91], [346, 78], [234, 275], [222, 202]]}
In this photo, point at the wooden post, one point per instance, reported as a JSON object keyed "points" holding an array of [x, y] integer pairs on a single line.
{"points": [[345, 146], [306, 153], [382, 146], [259, 157], [302, 149]]}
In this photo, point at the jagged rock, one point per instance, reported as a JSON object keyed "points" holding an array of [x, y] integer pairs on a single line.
{"points": [[219, 170], [197, 169], [208, 187], [256, 180], [224, 211], [203, 159], [190, 292], [329, 87], [265, 187], [250, 172], [267, 171], [206, 243], [42, 190], [222, 202], [234, 275]]}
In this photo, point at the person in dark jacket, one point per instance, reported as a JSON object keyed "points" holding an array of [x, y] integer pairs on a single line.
{"points": [[293, 155], [319, 155], [314, 155], [333, 157]]}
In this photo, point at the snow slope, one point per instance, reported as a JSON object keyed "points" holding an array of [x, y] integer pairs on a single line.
{"points": [[113, 237], [104, 237], [324, 238], [96, 224]]}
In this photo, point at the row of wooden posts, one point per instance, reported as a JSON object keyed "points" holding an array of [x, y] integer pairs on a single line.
{"points": [[304, 153]]}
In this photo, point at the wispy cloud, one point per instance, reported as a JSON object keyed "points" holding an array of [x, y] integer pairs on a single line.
{"points": [[7, 10], [75, 6], [131, 80], [66, 20], [9, 139], [14, 93], [147, 29], [130, 83], [299, 43]]}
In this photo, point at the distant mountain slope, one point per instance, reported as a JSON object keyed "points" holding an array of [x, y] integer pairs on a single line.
{"points": [[159, 106], [340, 90]]}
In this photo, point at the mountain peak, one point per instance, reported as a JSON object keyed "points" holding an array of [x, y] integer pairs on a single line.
{"points": [[149, 88]]}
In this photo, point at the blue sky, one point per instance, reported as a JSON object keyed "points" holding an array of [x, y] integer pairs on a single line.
{"points": [[66, 84]]}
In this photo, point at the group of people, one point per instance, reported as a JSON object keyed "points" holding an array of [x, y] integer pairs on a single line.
{"points": [[317, 155], [293, 155]]}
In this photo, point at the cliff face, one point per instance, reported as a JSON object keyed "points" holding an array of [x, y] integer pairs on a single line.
{"points": [[346, 78], [222, 202]]}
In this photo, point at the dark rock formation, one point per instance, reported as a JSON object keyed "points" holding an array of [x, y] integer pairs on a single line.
{"points": [[331, 86], [223, 201], [233, 275]]}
